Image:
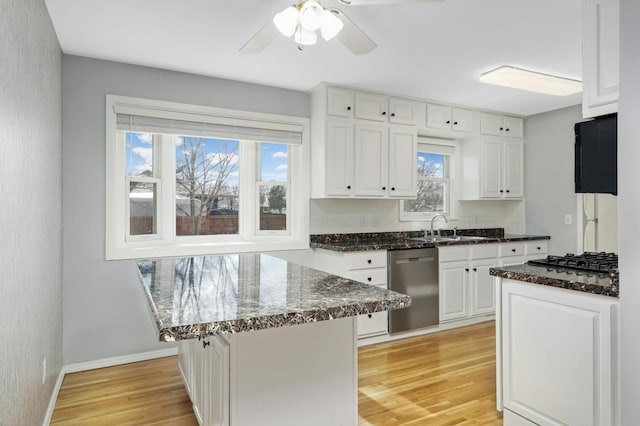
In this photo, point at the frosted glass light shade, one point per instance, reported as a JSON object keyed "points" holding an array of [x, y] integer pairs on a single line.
{"points": [[310, 15], [531, 81], [330, 25], [305, 37], [287, 21]]}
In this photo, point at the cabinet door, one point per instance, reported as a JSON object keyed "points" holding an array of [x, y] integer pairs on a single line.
{"points": [[438, 116], [491, 169], [371, 160], [559, 355], [600, 57], [403, 148], [482, 287], [216, 373], [513, 127], [462, 120], [339, 102], [513, 173], [339, 157], [491, 124], [371, 107], [185, 361], [402, 111], [372, 324], [453, 293]]}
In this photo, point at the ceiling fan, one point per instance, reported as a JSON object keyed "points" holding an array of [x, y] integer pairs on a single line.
{"points": [[304, 18]]}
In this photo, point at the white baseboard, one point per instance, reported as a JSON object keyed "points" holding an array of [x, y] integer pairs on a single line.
{"points": [[100, 363], [119, 360]]}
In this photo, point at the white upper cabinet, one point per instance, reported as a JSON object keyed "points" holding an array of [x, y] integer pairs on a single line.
{"points": [[600, 57], [402, 177], [339, 157], [501, 168], [498, 125], [447, 118], [340, 102], [371, 107], [371, 160], [402, 111]]}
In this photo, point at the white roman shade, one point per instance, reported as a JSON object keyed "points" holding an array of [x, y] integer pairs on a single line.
{"points": [[146, 120], [437, 146]]}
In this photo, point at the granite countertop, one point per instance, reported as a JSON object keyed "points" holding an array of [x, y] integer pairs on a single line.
{"points": [[595, 283], [200, 296], [403, 240]]}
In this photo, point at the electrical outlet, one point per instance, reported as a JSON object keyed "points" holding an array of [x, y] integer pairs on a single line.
{"points": [[44, 371], [568, 219]]}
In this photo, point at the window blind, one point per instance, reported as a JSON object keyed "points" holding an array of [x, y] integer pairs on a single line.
{"points": [[437, 146], [186, 124]]}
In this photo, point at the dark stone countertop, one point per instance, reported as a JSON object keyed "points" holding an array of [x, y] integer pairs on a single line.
{"points": [[198, 296], [595, 283], [403, 240]]}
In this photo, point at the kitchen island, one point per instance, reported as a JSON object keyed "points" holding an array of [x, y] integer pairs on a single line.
{"points": [[557, 346], [262, 340]]}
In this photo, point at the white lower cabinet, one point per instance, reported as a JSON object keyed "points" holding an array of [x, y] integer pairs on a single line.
{"points": [[559, 351], [466, 289], [369, 267]]}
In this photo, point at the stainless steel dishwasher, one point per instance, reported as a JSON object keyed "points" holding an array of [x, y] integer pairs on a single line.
{"points": [[414, 272]]}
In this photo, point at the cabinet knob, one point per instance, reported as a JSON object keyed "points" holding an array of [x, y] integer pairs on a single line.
{"points": [[501, 128], [393, 114], [369, 279], [448, 122], [369, 261], [513, 250], [507, 129], [455, 123], [466, 269], [348, 186], [475, 269], [508, 190], [369, 315], [384, 112], [384, 188], [393, 188], [205, 343], [539, 248], [348, 108], [501, 191]]}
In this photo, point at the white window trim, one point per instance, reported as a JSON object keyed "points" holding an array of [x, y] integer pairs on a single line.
{"points": [[451, 193], [116, 244]]}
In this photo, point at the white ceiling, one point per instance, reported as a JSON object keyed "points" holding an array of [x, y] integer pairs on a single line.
{"points": [[434, 51]]}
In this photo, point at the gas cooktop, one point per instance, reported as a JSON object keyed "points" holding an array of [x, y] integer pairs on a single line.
{"points": [[588, 261]]}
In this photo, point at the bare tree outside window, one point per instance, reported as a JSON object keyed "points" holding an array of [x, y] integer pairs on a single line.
{"points": [[431, 185], [206, 184]]}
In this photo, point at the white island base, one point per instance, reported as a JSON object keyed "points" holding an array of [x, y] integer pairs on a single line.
{"points": [[296, 375]]}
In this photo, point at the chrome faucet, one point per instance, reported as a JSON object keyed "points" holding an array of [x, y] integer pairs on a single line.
{"points": [[434, 218]]}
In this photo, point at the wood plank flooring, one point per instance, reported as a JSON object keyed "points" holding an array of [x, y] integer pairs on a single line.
{"points": [[445, 378]]}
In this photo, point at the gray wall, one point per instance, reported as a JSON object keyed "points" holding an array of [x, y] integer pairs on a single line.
{"points": [[629, 206], [31, 213], [104, 310], [549, 187]]}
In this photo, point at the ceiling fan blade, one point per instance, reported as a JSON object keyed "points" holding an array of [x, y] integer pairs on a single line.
{"points": [[353, 37], [366, 2], [261, 39]]}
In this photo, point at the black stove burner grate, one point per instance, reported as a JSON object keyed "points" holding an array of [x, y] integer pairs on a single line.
{"points": [[588, 261]]}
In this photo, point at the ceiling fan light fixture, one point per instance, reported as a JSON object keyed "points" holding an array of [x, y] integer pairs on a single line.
{"points": [[531, 81], [287, 21], [309, 16], [330, 25], [305, 37]]}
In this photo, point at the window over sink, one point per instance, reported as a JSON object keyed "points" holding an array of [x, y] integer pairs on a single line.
{"points": [[434, 181]]}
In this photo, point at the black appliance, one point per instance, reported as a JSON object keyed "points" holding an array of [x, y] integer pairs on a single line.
{"points": [[596, 155], [588, 261]]}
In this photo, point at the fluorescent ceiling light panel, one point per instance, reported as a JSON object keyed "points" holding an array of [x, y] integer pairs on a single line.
{"points": [[531, 81]]}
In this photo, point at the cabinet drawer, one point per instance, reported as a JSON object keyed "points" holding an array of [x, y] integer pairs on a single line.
{"points": [[372, 324], [484, 251], [453, 253], [512, 249], [374, 276], [368, 259], [536, 247]]}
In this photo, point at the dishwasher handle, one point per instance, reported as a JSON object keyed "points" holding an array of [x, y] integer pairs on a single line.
{"points": [[415, 259]]}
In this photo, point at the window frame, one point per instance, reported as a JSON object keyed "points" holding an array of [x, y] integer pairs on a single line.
{"points": [[425, 145], [248, 239]]}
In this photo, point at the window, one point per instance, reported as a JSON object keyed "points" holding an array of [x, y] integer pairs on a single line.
{"points": [[184, 180], [434, 188]]}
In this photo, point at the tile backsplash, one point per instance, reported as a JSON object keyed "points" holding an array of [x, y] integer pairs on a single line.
{"points": [[346, 216]]}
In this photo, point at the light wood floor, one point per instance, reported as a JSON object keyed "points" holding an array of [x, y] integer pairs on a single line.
{"points": [[445, 378]]}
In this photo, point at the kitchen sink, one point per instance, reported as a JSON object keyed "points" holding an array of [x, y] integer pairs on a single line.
{"points": [[438, 239]]}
